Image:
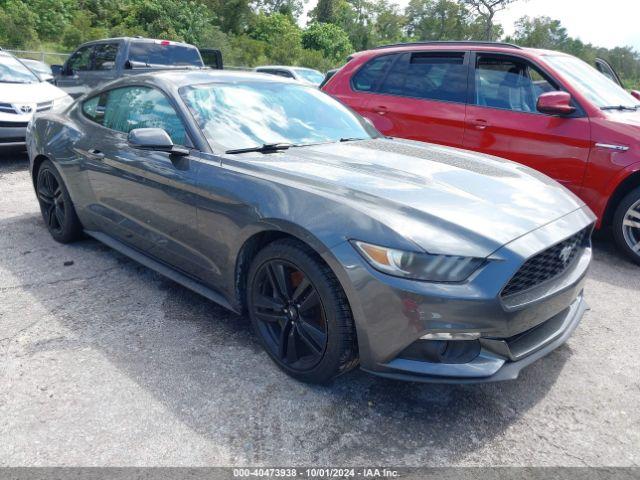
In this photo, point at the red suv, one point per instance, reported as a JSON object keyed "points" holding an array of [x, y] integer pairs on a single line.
{"points": [[545, 109]]}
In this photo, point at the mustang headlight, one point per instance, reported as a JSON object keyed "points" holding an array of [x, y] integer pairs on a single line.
{"points": [[418, 266]]}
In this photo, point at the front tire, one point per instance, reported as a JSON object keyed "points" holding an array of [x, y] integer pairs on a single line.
{"points": [[626, 225], [56, 207], [300, 312]]}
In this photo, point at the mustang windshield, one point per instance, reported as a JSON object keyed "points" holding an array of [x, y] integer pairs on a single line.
{"points": [[246, 115], [14, 71], [593, 85]]}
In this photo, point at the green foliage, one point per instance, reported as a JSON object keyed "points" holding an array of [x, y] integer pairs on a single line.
{"points": [[329, 39], [255, 32], [280, 35], [18, 24], [545, 32]]}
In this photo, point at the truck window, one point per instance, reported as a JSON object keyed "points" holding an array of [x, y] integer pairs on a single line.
{"points": [[104, 56], [81, 60], [164, 53]]}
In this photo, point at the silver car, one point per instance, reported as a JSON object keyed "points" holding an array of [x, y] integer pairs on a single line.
{"points": [[415, 261]]}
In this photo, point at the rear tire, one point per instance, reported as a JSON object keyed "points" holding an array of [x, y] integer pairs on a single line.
{"points": [[57, 210], [300, 313], [626, 225]]}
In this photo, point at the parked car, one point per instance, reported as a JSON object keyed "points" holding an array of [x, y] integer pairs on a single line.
{"points": [[544, 109], [304, 75], [101, 61], [269, 197], [41, 69], [22, 94]]}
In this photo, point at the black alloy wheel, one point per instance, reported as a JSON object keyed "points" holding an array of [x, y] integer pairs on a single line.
{"points": [[300, 313], [51, 201], [291, 316], [57, 209]]}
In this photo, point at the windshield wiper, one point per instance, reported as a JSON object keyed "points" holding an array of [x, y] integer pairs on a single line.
{"points": [[351, 139], [264, 148], [621, 107]]}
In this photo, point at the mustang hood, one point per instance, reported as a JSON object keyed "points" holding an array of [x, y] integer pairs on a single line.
{"points": [[446, 200]]}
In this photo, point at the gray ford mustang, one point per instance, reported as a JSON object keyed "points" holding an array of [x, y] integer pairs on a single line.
{"points": [[416, 261]]}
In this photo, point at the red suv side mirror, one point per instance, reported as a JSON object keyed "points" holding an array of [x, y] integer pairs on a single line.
{"points": [[555, 103], [636, 94]]}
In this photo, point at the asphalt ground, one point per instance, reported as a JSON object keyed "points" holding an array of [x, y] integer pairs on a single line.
{"points": [[104, 362]]}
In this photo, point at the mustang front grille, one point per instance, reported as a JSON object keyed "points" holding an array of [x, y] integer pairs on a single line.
{"points": [[547, 265]]}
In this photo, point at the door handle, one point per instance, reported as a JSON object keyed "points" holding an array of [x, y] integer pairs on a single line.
{"points": [[381, 110], [480, 124], [95, 153]]}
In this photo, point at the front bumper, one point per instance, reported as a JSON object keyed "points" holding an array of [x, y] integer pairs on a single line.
{"points": [[491, 366], [392, 314], [13, 134]]}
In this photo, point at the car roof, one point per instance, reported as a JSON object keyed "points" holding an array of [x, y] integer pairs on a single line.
{"points": [[498, 47], [178, 78], [134, 39]]}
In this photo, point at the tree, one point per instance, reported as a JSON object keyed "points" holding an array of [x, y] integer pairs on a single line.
{"points": [[437, 20], [18, 24], [172, 19], [280, 34], [292, 8], [325, 11], [233, 16], [388, 23], [540, 32], [487, 10], [328, 38]]}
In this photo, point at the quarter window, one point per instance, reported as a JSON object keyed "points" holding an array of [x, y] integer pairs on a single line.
{"points": [[509, 84], [93, 110]]}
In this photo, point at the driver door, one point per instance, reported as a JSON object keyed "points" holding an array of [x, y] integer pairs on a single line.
{"points": [[502, 120], [144, 198]]}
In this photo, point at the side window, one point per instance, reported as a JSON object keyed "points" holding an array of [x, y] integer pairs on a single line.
{"points": [[80, 60], [509, 84], [367, 78], [395, 80], [142, 107], [104, 57], [437, 76]]}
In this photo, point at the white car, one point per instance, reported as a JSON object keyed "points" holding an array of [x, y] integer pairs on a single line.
{"points": [[22, 95], [304, 75], [41, 69]]}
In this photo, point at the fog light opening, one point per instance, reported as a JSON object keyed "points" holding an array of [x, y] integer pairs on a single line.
{"points": [[442, 351], [452, 336]]}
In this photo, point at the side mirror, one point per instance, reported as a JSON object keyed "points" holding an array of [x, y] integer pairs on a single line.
{"points": [[636, 94], [56, 70], [555, 103], [155, 139]]}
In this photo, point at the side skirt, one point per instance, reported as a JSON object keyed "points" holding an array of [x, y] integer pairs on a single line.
{"points": [[162, 269]]}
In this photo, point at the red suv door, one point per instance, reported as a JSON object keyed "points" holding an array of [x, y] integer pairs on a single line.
{"points": [[502, 120], [416, 95]]}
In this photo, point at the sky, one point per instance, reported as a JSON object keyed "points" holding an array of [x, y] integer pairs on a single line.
{"points": [[616, 25]]}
